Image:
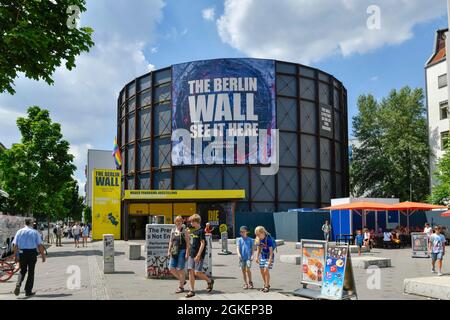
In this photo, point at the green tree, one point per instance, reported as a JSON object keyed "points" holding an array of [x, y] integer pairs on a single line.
{"points": [[37, 170], [392, 159], [88, 214], [73, 204], [441, 192], [37, 37]]}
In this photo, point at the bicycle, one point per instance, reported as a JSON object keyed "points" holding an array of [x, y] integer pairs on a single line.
{"points": [[8, 267]]}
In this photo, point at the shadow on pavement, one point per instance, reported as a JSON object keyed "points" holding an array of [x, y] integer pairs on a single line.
{"points": [[222, 277], [53, 254], [122, 272], [47, 295]]}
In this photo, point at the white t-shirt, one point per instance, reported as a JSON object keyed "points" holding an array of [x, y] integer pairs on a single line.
{"points": [[366, 235], [428, 231], [437, 243], [76, 230], [387, 236]]}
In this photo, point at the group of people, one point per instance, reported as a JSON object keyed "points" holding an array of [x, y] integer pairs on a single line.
{"points": [[76, 231], [188, 244]]}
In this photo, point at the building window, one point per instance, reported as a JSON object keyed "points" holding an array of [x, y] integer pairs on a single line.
{"points": [[442, 81], [443, 110], [445, 143]]}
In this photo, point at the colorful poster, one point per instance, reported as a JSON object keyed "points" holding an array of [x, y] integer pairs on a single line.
{"points": [[157, 237], [334, 273], [223, 112], [217, 214], [419, 243], [313, 261], [106, 191]]}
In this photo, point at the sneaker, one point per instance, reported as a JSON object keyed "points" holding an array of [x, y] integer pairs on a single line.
{"points": [[439, 274], [433, 270], [17, 290], [30, 294]]}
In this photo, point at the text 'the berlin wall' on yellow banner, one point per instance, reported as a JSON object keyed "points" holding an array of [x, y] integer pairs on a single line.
{"points": [[106, 203]]}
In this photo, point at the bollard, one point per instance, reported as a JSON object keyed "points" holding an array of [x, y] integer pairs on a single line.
{"points": [[108, 253], [224, 240]]}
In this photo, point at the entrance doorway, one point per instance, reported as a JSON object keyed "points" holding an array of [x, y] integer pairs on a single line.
{"points": [[137, 227]]}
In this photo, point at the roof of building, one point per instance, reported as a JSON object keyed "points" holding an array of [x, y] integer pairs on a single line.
{"points": [[439, 51]]}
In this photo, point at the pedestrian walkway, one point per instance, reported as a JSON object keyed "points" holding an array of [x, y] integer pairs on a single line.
{"points": [[76, 273]]}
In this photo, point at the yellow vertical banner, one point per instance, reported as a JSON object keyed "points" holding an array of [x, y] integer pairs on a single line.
{"points": [[106, 188]]}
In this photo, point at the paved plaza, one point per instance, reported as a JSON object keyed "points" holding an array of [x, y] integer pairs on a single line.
{"points": [[57, 277]]}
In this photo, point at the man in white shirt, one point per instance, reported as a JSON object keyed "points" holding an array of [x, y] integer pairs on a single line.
{"points": [[428, 230], [76, 232]]}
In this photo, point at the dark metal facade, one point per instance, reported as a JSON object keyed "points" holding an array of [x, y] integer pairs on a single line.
{"points": [[313, 164]]}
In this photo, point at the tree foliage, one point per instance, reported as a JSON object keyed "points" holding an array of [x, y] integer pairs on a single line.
{"points": [[392, 159], [37, 37], [38, 171], [441, 192]]}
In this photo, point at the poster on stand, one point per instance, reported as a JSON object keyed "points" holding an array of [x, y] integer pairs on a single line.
{"points": [[313, 261], [157, 240], [338, 281], [419, 244]]}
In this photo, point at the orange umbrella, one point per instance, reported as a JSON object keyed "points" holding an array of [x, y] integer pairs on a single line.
{"points": [[411, 207], [408, 205], [360, 205]]}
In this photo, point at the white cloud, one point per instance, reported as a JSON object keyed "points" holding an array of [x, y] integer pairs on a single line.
{"points": [[84, 100], [307, 31], [208, 14]]}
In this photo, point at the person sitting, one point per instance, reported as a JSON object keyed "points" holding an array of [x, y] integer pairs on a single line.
{"points": [[368, 240], [387, 239], [395, 239]]}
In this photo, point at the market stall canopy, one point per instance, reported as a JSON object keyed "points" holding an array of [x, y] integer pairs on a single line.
{"points": [[408, 205], [361, 205]]}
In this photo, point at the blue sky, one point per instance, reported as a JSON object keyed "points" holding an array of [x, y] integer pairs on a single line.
{"points": [[133, 37]]}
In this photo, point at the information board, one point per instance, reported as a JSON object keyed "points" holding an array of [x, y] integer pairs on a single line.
{"points": [[419, 243], [157, 238]]}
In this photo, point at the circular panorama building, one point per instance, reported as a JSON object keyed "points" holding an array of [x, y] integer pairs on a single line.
{"points": [[201, 136]]}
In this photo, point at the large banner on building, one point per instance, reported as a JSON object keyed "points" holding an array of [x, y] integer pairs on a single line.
{"points": [[106, 188], [223, 112]]}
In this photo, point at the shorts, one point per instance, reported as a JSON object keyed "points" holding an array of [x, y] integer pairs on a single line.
{"points": [[196, 266], [436, 256], [76, 237], [264, 264], [179, 261], [245, 264]]}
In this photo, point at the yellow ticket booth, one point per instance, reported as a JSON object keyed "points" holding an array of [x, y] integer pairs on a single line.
{"points": [[141, 207]]}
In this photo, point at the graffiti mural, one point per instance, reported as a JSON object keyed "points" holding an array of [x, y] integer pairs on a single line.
{"points": [[9, 225]]}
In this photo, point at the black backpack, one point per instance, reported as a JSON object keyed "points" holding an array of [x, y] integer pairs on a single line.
{"points": [[55, 230]]}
